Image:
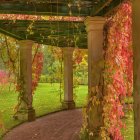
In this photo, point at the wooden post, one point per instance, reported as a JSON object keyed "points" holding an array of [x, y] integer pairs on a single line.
{"points": [[68, 78], [136, 67], [94, 27], [26, 111]]}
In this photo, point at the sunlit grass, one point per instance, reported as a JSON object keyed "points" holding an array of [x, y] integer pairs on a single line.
{"points": [[128, 132], [46, 100]]}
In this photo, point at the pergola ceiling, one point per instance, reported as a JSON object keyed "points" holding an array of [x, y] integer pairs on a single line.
{"points": [[62, 34], [56, 33]]}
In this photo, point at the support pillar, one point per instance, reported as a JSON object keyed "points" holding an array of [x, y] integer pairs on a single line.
{"points": [[26, 111], [94, 27], [68, 78], [136, 67]]}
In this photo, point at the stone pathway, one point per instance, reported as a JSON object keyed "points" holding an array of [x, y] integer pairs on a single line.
{"points": [[63, 125]]}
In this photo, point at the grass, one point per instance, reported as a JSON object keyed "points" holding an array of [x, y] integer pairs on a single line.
{"points": [[128, 132], [46, 100]]}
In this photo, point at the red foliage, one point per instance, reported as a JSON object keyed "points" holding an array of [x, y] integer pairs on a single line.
{"points": [[78, 56], [37, 66], [119, 72], [15, 17]]}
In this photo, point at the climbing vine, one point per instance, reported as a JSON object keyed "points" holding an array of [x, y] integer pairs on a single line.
{"points": [[10, 56], [54, 62], [37, 65], [118, 77]]}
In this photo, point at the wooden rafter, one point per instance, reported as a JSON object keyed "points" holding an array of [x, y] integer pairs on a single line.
{"points": [[46, 8], [59, 33], [46, 32], [55, 7]]}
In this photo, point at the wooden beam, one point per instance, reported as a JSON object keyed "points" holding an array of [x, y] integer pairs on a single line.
{"points": [[10, 34], [110, 8], [96, 10], [60, 40], [42, 23], [44, 28], [46, 8]]}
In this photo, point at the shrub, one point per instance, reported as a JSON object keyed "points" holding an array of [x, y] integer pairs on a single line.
{"points": [[43, 79]]}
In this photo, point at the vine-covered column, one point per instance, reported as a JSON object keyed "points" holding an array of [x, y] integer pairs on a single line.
{"points": [[94, 118], [25, 109], [68, 78], [136, 71]]}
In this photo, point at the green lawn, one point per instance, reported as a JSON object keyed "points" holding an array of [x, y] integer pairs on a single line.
{"points": [[128, 132], [46, 100]]}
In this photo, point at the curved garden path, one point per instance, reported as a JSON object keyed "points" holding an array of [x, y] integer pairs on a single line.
{"points": [[63, 125]]}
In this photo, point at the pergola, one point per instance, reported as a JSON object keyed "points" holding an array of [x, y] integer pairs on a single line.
{"points": [[56, 30], [62, 23]]}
